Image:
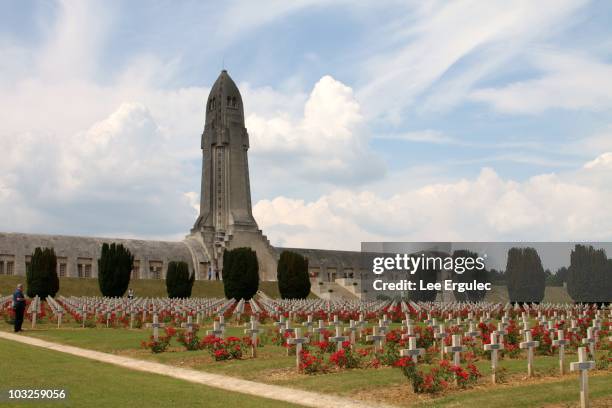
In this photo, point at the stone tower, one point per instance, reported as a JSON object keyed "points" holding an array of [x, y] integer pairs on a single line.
{"points": [[226, 217]]}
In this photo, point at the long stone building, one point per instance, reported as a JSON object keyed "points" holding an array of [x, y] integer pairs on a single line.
{"points": [[226, 219]]}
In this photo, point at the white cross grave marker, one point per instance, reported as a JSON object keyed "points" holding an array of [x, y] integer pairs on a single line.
{"points": [[339, 338], [529, 344], [298, 341], [493, 347], [412, 350], [583, 366], [561, 342]]}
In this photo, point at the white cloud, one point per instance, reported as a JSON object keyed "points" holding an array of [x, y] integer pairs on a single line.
{"points": [[114, 178], [422, 136], [327, 143], [570, 206], [567, 82], [433, 46], [603, 161]]}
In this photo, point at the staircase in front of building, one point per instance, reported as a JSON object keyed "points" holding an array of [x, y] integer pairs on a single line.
{"points": [[342, 288]]}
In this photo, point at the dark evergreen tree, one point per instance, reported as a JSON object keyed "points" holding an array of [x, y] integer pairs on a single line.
{"points": [[41, 274], [114, 269], [497, 277], [240, 273], [178, 281], [553, 279], [427, 276], [589, 276], [525, 277], [562, 274], [292, 276], [468, 276]]}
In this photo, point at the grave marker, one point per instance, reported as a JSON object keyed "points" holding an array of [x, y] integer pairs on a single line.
{"points": [[493, 347], [583, 366], [298, 341], [561, 342], [529, 344], [412, 350]]}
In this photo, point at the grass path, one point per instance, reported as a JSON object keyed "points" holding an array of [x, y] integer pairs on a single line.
{"points": [[226, 383], [95, 384]]}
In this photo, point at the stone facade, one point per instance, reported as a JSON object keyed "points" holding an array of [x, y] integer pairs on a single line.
{"points": [[78, 256]]}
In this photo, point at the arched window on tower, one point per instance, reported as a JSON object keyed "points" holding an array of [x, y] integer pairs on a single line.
{"points": [[233, 101]]}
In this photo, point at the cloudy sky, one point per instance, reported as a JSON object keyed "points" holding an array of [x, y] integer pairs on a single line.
{"points": [[381, 120]]}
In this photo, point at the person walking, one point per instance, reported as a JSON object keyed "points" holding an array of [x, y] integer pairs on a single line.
{"points": [[19, 304]]}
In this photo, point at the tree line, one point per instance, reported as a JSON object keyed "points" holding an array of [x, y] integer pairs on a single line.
{"points": [[588, 277], [115, 267], [116, 262]]}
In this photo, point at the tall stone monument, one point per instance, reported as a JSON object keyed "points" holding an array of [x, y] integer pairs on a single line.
{"points": [[226, 218]]}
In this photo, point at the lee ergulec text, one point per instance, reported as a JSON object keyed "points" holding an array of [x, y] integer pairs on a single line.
{"points": [[412, 263]]}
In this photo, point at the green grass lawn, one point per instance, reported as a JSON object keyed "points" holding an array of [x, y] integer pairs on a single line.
{"points": [[552, 294], [157, 288], [142, 287], [275, 367], [527, 396], [95, 384]]}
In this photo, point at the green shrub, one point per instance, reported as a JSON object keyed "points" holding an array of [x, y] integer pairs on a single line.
{"points": [[525, 278], [41, 274], [178, 281], [427, 275], [589, 276], [240, 273], [114, 269], [292, 276], [470, 275]]}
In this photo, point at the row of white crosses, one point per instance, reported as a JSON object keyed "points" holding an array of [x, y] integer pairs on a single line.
{"points": [[56, 309], [122, 306], [34, 309]]}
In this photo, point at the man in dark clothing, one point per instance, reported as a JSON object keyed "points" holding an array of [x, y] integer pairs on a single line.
{"points": [[19, 304]]}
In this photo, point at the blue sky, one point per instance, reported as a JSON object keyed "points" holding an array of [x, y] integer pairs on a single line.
{"points": [[381, 120]]}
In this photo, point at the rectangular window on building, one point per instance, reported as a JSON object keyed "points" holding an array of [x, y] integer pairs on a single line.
{"points": [[155, 269], [331, 274], [28, 262], [62, 266], [84, 267], [314, 272], [7, 264], [136, 270], [349, 273]]}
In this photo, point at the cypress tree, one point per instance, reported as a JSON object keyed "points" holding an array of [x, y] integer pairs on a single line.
{"points": [[427, 276], [470, 275], [114, 269], [292, 276], [589, 276], [178, 281], [240, 273], [525, 278], [41, 274]]}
